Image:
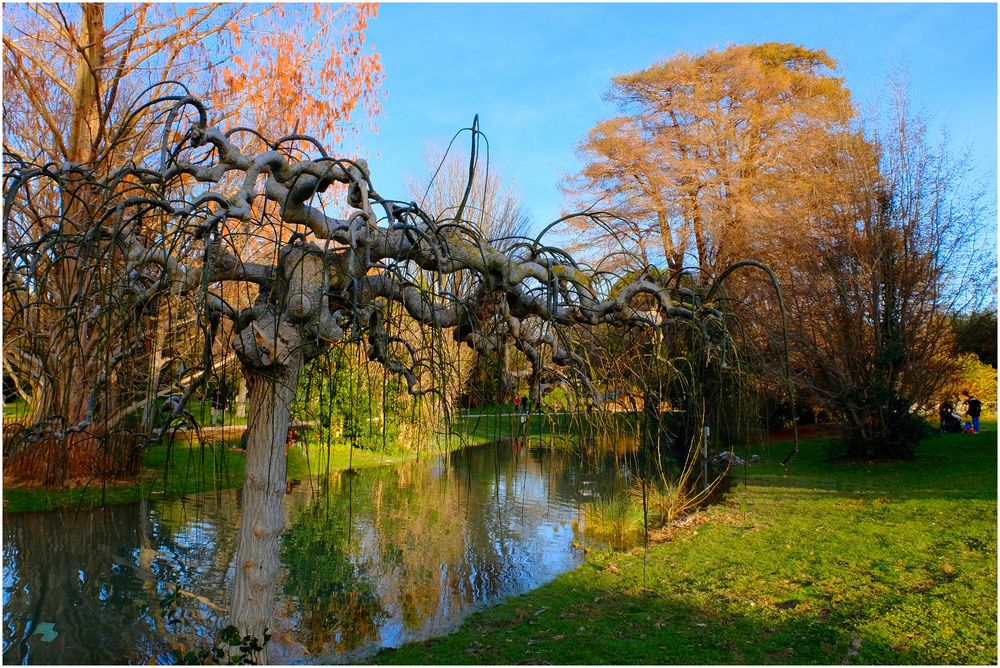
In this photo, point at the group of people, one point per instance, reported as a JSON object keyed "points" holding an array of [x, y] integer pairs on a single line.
{"points": [[951, 422]]}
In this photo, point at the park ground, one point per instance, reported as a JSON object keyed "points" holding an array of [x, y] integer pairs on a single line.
{"points": [[823, 563]]}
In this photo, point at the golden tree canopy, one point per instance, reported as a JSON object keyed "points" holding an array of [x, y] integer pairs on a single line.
{"points": [[712, 150]]}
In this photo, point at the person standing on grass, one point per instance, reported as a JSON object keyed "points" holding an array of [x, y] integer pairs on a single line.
{"points": [[973, 407], [218, 400]]}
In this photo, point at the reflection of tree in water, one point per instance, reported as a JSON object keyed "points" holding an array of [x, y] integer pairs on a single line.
{"points": [[384, 556], [469, 530], [420, 538], [338, 608], [98, 577], [188, 528], [597, 463], [64, 569], [433, 545]]}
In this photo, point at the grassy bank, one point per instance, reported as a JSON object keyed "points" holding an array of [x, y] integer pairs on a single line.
{"points": [[175, 472], [467, 430], [185, 469], [489, 424], [887, 563]]}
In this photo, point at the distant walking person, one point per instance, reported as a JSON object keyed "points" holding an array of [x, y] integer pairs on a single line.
{"points": [[973, 407], [218, 400]]}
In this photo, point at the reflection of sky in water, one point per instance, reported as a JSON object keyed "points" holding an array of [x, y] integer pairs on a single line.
{"points": [[390, 555]]}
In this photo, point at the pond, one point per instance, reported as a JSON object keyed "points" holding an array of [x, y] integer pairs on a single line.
{"points": [[369, 560]]}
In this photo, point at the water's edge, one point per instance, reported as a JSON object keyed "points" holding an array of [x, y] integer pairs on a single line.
{"points": [[369, 560]]}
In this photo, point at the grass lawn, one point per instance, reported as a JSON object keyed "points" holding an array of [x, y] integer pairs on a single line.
{"points": [[186, 469], [468, 430], [174, 472], [825, 563], [486, 425], [15, 410]]}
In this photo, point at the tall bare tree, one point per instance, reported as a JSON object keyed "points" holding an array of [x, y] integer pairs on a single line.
{"points": [[755, 152], [474, 192], [904, 243]]}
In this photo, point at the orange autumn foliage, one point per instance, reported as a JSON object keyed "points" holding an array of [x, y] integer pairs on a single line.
{"points": [[78, 80], [275, 69]]}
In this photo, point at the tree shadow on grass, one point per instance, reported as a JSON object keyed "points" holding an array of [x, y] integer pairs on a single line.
{"points": [[592, 624], [944, 468]]}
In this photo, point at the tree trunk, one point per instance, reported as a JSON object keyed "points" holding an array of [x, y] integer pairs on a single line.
{"points": [[263, 519], [150, 411], [72, 354], [86, 120], [241, 398]]}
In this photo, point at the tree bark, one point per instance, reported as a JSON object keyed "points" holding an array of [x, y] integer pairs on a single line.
{"points": [[86, 89], [71, 360], [240, 409], [151, 410], [263, 519]]}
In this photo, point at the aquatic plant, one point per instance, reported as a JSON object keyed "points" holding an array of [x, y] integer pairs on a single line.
{"points": [[615, 521]]}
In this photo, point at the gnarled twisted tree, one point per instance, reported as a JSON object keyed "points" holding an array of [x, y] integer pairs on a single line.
{"points": [[184, 223], [71, 76]]}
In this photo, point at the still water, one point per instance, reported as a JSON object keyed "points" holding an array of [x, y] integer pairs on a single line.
{"points": [[369, 560]]}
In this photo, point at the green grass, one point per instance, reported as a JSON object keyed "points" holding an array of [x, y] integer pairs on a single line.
{"points": [[312, 460], [168, 473], [615, 520], [15, 410], [825, 563], [475, 428], [186, 469]]}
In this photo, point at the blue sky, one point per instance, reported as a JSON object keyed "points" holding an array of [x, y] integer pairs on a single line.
{"points": [[536, 73]]}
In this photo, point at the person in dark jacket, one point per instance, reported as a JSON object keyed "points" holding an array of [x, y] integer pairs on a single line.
{"points": [[973, 407], [950, 423], [218, 401]]}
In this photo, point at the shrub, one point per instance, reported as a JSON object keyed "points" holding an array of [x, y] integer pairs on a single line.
{"points": [[894, 437], [665, 503]]}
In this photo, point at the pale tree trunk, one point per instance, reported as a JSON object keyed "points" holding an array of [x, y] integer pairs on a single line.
{"points": [[263, 518], [273, 354], [146, 556], [150, 410], [241, 398], [85, 128]]}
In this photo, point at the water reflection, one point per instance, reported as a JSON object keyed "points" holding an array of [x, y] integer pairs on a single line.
{"points": [[85, 587], [370, 560], [337, 607]]}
